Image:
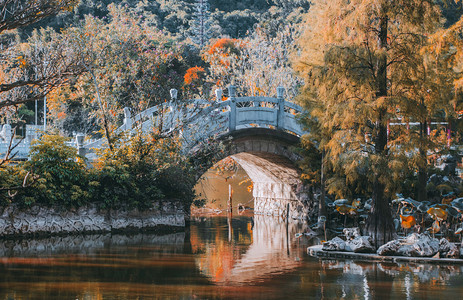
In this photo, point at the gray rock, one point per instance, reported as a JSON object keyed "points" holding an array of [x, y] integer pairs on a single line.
{"points": [[351, 233], [361, 244], [447, 249], [412, 238], [336, 244], [425, 246], [390, 248], [418, 245]]}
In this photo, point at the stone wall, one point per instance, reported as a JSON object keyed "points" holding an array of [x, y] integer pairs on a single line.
{"points": [[42, 220], [279, 208]]}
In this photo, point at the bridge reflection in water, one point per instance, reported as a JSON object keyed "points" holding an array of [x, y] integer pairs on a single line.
{"points": [[255, 258], [272, 249]]}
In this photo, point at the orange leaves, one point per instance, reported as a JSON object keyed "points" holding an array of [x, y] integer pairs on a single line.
{"points": [[61, 115], [435, 228], [192, 74], [344, 209], [438, 213], [407, 221], [22, 62], [222, 45], [250, 187]]}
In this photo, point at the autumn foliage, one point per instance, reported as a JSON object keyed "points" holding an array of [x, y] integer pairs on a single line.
{"points": [[224, 46], [192, 74], [407, 221]]}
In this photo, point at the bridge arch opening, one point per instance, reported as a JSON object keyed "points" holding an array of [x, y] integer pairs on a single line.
{"points": [[268, 159]]}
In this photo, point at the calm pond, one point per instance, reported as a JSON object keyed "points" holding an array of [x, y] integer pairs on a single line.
{"points": [[256, 258]]}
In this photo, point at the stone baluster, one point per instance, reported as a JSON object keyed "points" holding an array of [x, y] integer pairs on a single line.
{"points": [[231, 97], [30, 134], [281, 108], [7, 132], [173, 94], [218, 95], [80, 144]]}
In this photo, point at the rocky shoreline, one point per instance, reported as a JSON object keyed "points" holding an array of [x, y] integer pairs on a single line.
{"points": [[317, 251], [414, 247], [43, 221]]}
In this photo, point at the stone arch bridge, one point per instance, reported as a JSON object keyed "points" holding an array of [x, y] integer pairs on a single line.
{"points": [[259, 133]]}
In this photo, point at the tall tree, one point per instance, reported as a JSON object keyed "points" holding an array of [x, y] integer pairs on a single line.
{"points": [[129, 64], [357, 56], [29, 72]]}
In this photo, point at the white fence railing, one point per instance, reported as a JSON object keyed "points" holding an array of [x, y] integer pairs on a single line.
{"points": [[198, 120]]}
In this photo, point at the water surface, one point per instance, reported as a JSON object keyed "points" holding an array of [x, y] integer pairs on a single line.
{"points": [[245, 257]]}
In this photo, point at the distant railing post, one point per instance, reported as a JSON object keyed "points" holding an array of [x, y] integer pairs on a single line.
{"points": [[281, 107], [80, 144], [127, 119], [218, 95], [173, 94], [7, 132], [232, 117]]}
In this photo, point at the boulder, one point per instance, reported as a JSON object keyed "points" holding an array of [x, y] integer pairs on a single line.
{"points": [[418, 245], [412, 238], [336, 244], [361, 244], [351, 233], [390, 248], [447, 249], [425, 246]]}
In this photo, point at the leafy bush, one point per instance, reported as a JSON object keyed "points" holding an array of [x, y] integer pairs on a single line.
{"points": [[62, 178], [141, 169]]}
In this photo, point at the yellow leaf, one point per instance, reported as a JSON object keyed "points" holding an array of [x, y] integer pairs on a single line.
{"points": [[437, 213]]}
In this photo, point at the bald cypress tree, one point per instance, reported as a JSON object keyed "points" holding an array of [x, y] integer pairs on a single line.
{"points": [[359, 58]]}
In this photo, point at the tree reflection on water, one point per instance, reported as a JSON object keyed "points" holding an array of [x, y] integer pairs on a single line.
{"points": [[257, 257], [372, 280]]}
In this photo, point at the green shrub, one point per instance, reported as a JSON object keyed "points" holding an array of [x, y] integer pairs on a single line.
{"points": [[61, 175], [141, 169]]}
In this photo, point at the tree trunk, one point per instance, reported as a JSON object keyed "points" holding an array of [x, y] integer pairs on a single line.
{"points": [[103, 113], [379, 224], [422, 165], [321, 201]]}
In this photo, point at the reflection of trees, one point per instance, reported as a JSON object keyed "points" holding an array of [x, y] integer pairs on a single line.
{"points": [[348, 279], [87, 267], [256, 251]]}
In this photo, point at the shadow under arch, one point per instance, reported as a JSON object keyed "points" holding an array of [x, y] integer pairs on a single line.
{"points": [[270, 160]]}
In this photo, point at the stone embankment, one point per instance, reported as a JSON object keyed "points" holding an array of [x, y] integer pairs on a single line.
{"points": [[317, 251], [413, 248], [39, 220]]}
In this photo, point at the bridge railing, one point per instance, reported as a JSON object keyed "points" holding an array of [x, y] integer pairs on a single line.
{"points": [[200, 119], [197, 120], [263, 111]]}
